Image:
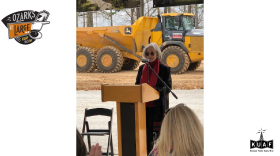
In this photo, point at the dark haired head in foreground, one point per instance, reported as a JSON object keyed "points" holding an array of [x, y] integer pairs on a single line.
{"points": [[81, 149], [80, 145]]}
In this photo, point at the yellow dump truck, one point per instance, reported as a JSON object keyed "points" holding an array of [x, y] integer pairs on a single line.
{"points": [[115, 48]]}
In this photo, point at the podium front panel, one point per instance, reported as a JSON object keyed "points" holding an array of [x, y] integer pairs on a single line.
{"points": [[131, 115], [128, 129]]}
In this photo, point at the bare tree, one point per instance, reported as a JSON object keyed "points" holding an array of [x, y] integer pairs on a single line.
{"points": [[111, 17], [129, 16], [137, 13], [89, 19], [107, 16], [200, 17], [142, 8], [77, 19], [132, 15], [196, 16], [96, 12], [148, 7], [165, 10], [189, 9], [84, 21], [197, 10], [80, 19], [169, 9]]}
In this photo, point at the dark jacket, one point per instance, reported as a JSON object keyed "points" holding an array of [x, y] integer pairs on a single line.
{"points": [[165, 75]]}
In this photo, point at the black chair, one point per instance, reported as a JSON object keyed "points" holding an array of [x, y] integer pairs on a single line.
{"points": [[99, 132]]}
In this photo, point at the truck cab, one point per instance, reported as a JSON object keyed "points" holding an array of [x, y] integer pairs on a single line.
{"points": [[182, 45]]}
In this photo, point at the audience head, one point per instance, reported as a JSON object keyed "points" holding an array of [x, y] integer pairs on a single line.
{"points": [[80, 145], [182, 130]]}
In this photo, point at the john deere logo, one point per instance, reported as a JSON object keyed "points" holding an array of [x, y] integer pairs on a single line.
{"points": [[261, 143], [25, 26], [127, 30]]}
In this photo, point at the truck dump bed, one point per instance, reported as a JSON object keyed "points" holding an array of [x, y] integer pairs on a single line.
{"points": [[131, 37]]}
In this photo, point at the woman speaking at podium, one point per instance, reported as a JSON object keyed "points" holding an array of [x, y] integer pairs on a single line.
{"points": [[154, 109]]}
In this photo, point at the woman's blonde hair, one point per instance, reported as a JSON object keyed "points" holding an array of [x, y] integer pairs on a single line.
{"points": [[155, 46], [182, 130]]}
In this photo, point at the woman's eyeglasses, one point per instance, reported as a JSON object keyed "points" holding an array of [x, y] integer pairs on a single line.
{"points": [[152, 54]]}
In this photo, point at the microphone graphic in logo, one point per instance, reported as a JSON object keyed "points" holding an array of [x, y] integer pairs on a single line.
{"points": [[40, 20]]}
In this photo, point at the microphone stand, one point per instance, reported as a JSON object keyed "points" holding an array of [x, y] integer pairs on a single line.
{"points": [[161, 80]]}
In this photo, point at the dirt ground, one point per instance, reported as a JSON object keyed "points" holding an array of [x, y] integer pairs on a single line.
{"points": [[92, 81]]}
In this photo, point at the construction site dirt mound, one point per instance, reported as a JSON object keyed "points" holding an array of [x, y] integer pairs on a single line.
{"points": [[92, 81]]}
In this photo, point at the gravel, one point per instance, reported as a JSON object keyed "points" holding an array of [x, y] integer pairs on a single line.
{"points": [[92, 99]]}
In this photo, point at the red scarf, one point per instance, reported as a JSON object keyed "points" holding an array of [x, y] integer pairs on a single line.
{"points": [[152, 77]]}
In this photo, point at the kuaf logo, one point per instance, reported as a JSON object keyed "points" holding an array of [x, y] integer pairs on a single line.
{"points": [[261, 143], [25, 26]]}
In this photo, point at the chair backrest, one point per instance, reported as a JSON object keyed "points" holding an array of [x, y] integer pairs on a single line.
{"points": [[98, 111], [95, 112]]}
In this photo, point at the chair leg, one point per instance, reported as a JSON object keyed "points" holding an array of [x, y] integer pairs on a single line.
{"points": [[112, 149], [108, 146], [89, 144]]}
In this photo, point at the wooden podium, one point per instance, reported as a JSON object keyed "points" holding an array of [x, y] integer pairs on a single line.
{"points": [[131, 115]]}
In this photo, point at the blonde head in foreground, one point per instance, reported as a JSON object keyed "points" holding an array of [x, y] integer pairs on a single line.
{"points": [[182, 130]]}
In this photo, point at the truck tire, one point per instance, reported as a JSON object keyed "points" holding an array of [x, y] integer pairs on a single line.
{"points": [[109, 59], [85, 60], [194, 66], [176, 58], [130, 64]]}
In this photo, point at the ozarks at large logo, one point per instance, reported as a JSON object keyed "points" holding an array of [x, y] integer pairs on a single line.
{"points": [[25, 26]]}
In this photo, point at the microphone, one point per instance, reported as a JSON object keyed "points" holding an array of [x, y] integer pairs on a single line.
{"points": [[145, 60]]}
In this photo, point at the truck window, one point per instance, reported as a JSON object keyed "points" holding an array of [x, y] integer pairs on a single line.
{"points": [[184, 22], [169, 23], [188, 23]]}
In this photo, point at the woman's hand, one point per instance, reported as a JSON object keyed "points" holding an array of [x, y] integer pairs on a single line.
{"points": [[161, 89], [95, 150]]}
